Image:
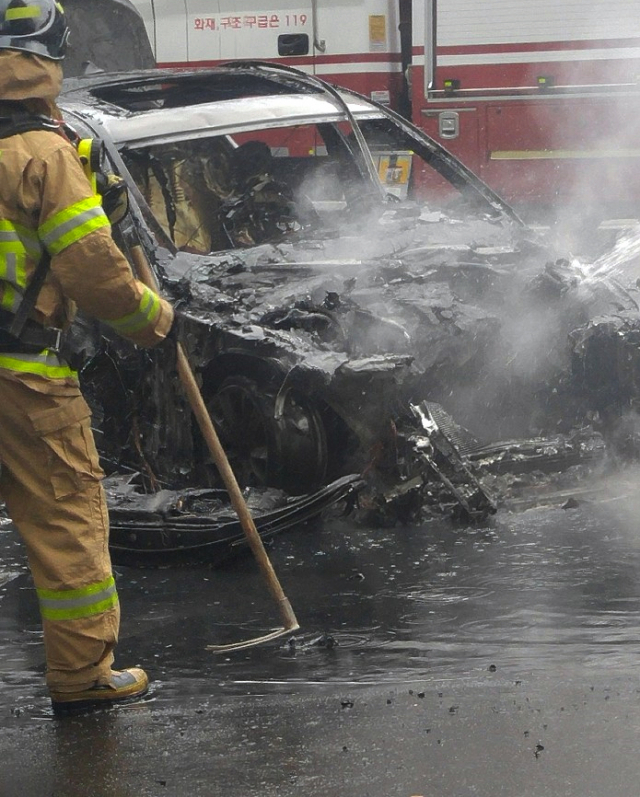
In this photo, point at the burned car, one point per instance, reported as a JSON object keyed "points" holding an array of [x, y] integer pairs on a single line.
{"points": [[346, 288]]}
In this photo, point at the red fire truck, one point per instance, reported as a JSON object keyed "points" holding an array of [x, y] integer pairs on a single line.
{"points": [[541, 99]]}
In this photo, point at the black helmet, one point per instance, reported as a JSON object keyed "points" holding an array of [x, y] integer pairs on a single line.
{"points": [[34, 26]]}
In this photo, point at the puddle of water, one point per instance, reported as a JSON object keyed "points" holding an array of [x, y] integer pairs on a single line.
{"points": [[545, 590]]}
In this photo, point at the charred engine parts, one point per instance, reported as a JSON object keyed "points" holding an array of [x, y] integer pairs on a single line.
{"points": [[441, 456]]}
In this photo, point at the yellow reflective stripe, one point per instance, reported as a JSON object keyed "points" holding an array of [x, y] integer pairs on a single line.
{"points": [[11, 298], [70, 604], [8, 265], [44, 364], [561, 154], [12, 268], [16, 244], [12, 235], [13, 278], [26, 12], [13, 244], [72, 224], [147, 312]]}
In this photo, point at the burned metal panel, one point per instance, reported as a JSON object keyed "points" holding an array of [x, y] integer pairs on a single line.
{"points": [[359, 339], [199, 525]]}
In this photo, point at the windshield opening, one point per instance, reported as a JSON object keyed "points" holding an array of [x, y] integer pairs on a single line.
{"points": [[405, 173], [243, 189]]}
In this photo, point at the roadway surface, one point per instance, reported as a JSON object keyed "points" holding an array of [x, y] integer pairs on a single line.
{"points": [[433, 660]]}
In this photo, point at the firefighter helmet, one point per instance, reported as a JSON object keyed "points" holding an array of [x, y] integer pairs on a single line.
{"points": [[34, 26]]}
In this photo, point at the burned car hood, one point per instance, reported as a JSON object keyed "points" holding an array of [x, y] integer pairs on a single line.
{"points": [[403, 283], [442, 301]]}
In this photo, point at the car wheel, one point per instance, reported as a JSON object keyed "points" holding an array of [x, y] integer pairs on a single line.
{"points": [[272, 438]]}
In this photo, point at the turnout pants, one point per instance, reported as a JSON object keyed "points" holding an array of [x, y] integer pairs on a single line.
{"points": [[50, 480]]}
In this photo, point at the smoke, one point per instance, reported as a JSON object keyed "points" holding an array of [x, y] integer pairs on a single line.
{"points": [[495, 355], [589, 120], [485, 311], [588, 176], [618, 490]]}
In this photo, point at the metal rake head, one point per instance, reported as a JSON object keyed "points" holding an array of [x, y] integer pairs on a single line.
{"points": [[249, 643]]}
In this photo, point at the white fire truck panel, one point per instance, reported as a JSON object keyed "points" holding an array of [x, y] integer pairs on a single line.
{"points": [[509, 21], [350, 37]]}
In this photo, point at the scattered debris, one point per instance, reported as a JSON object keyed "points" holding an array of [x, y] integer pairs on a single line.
{"points": [[200, 525]]}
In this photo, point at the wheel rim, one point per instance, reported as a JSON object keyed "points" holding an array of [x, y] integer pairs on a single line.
{"points": [[242, 424], [270, 440], [301, 440]]}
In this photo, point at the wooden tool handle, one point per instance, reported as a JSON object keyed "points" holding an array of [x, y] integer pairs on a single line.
{"points": [[203, 418]]}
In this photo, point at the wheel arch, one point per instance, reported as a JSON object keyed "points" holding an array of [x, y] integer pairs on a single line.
{"points": [[261, 369], [272, 375]]}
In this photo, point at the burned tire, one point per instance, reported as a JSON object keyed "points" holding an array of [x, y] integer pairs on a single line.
{"points": [[274, 439]]}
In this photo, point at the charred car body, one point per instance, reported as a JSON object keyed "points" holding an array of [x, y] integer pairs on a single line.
{"points": [[340, 279]]}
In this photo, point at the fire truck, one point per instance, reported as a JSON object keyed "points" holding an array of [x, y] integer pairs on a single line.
{"points": [[355, 43], [541, 99]]}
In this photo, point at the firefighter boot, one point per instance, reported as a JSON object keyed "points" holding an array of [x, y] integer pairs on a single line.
{"points": [[124, 686]]}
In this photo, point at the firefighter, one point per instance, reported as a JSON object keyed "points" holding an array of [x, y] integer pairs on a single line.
{"points": [[51, 477]]}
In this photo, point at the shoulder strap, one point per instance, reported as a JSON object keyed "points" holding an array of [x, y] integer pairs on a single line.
{"points": [[30, 297], [13, 125], [18, 123]]}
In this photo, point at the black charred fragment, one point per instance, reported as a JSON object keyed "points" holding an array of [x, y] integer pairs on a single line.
{"points": [[199, 525]]}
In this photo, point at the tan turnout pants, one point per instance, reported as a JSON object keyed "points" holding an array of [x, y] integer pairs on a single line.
{"points": [[50, 481]]}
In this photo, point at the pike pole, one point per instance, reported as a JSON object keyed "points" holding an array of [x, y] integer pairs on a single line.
{"points": [[185, 374]]}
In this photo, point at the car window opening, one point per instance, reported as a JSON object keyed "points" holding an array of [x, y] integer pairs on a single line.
{"points": [[237, 191], [151, 94], [242, 189]]}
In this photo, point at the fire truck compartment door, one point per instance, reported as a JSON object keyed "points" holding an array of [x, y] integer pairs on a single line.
{"points": [[553, 148], [228, 29], [459, 130]]}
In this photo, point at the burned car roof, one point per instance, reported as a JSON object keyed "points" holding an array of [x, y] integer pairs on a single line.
{"points": [[149, 105], [346, 289], [151, 119]]}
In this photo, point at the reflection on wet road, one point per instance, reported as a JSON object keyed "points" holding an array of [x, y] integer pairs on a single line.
{"points": [[394, 622], [546, 589]]}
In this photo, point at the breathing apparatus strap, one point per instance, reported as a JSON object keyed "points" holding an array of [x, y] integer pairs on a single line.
{"points": [[28, 303], [15, 327], [18, 123], [18, 331]]}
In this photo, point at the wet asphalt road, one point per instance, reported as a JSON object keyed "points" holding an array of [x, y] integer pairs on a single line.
{"points": [[434, 660]]}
